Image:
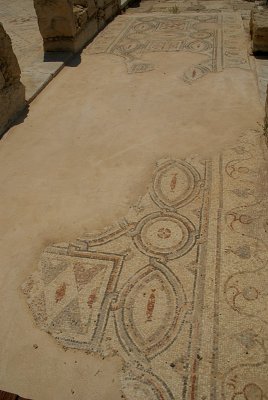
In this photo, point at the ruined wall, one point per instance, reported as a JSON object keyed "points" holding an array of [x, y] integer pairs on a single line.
{"points": [[12, 91], [67, 25], [259, 30]]}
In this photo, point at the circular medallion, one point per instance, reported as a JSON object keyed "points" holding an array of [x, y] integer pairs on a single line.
{"points": [[127, 47], [198, 46], [250, 293], [144, 26], [168, 235]]}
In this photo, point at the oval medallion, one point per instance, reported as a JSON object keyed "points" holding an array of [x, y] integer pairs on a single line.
{"points": [[150, 311], [175, 184]]}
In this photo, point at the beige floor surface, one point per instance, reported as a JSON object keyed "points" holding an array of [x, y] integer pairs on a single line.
{"points": [[170, 302]]}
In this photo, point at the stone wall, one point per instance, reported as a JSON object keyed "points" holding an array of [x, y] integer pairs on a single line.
{"points": [[259, 30], [67, 25], [12, 91]]}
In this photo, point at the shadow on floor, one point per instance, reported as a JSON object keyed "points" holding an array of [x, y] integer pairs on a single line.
{"points": [[21, 116], [68, 58], [74, 61], [261, 56], [9, 396], [134, 4], [56, 56]]}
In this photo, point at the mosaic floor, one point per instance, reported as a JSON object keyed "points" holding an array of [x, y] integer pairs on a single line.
{"points": [[219, 37], [176, 289]]}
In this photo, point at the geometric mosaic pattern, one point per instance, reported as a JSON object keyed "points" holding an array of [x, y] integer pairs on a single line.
{"points": [[124, 290], [216, 36], [177, 288]]}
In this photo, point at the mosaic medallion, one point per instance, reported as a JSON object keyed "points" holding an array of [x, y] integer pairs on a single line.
{"points": [[120, 290], [169, 235], [154, 290], [175, 184], [172, 286]]}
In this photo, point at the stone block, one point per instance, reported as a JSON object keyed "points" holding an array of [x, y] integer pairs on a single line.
{"points": [[110, 10], [107, 10], [259, 30], [12, 91], [55, 18], [66, 25]]}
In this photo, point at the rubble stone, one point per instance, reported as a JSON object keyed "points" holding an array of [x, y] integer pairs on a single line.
{"points": [[12, 91]]}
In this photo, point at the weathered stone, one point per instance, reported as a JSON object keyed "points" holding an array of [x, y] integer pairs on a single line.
{"points": [[67, 25], [55, 18], [259, 30], [12, 91], [110, 10], [266, 114]]}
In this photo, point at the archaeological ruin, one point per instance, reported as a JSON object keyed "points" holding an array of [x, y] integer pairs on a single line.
{"points": [[12, 91], [67, 25], [259, 31], [133, 212]]}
